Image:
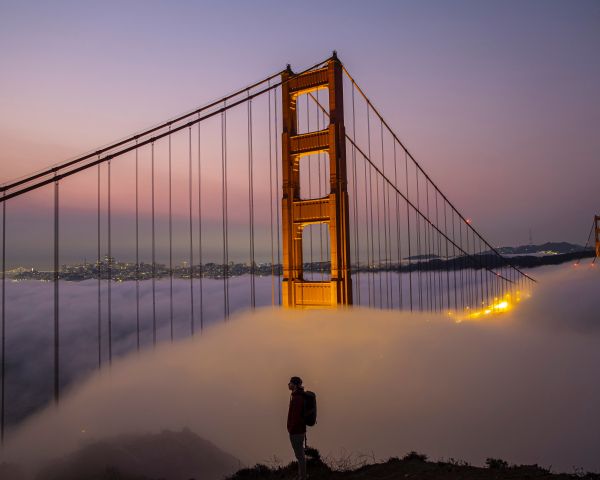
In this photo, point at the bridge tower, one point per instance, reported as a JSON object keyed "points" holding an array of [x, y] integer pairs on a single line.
{"points": [[331, 209], [597, 230]]}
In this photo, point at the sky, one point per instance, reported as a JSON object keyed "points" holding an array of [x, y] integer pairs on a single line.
{"points": [[498, 101], [521, 386]]}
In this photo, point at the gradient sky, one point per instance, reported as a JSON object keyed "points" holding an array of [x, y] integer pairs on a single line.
{"points": [[499, 101]]}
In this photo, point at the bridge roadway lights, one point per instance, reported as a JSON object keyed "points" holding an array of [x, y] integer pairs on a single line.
{"points": [[331, 209]]}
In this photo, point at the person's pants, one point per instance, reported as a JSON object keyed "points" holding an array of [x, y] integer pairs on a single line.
{"points": [[297, 441]]}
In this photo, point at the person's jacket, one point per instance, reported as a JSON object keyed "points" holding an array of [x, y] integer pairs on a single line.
{"points": [[295, 420]]}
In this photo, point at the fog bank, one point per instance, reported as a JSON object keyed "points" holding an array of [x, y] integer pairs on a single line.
{"points": [[521, 386]]}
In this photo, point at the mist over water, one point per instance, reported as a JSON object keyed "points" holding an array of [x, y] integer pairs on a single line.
{"points": [[520, 386]]}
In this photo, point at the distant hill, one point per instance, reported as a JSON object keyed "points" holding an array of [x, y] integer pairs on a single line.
{"points": [[167, 455], [527, 256], [548, 248]]}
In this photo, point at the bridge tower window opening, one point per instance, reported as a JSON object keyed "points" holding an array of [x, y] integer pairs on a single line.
{"points": [[312, 110], [316, 253], [314, 176]]}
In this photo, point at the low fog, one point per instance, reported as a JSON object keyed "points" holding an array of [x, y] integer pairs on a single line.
{"points": [[522, 386]]}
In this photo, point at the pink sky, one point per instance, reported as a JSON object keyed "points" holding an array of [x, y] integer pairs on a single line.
{"points": [[499, 102]]}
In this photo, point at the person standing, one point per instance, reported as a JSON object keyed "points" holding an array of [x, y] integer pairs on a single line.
{"points": [[296, 424]]}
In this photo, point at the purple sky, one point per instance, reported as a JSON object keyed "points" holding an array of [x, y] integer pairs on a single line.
{"points": [[498, 101]]}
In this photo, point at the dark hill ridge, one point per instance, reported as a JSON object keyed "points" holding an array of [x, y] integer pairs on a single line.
{"points": [[412, 466]]}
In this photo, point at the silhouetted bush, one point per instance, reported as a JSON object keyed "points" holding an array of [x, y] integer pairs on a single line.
{"points": [[496, 463], [312, 453], [256, 471], [414, 456]]}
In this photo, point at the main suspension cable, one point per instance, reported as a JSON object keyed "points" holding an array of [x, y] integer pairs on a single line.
{"points": [[418, 166]]}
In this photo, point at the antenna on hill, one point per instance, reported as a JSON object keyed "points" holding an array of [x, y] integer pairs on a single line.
{"points": [[596, 231], [530, 237]]}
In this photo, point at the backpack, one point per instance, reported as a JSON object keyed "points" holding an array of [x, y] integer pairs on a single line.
{"points": [[309, 411]]}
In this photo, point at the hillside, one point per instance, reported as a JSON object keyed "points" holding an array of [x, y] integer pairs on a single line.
{"points": [[166, 455]]}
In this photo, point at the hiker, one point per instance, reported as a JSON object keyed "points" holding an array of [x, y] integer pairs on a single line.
{"points": [[296, 424]]}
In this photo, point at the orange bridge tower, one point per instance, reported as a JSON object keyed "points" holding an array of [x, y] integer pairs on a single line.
{"points": [[331, 209]]}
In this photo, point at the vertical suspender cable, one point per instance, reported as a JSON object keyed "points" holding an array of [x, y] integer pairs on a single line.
{"points": [[309, 187], [201, 267], [385, 223], [446, 233], [109, 285], [368, 235], [419, 253], [427, 255], [454, 261], [56, 297], [320, 193], [170, 237], [271, 201], [277, 205], [410, 282], [439, 254], [372, 261], [472, 265], [478, 272], [356, 236], [153, 251], [473, 270], [462, 266], [225, 214], [472, 286], [191, 236], [326, 188], [389, 247], [484, 248], [481, 261], [470, 268], [137, 251], [99, 273], [428, 271], [368, 232], [251, 205], [380, 273], [398, 232], [3, 363]]}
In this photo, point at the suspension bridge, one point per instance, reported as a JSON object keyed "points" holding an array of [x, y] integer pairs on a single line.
{"points": [[291, 191]]}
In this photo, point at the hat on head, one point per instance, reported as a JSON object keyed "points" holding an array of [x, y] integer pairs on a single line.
{"points": [[296, 381]]}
